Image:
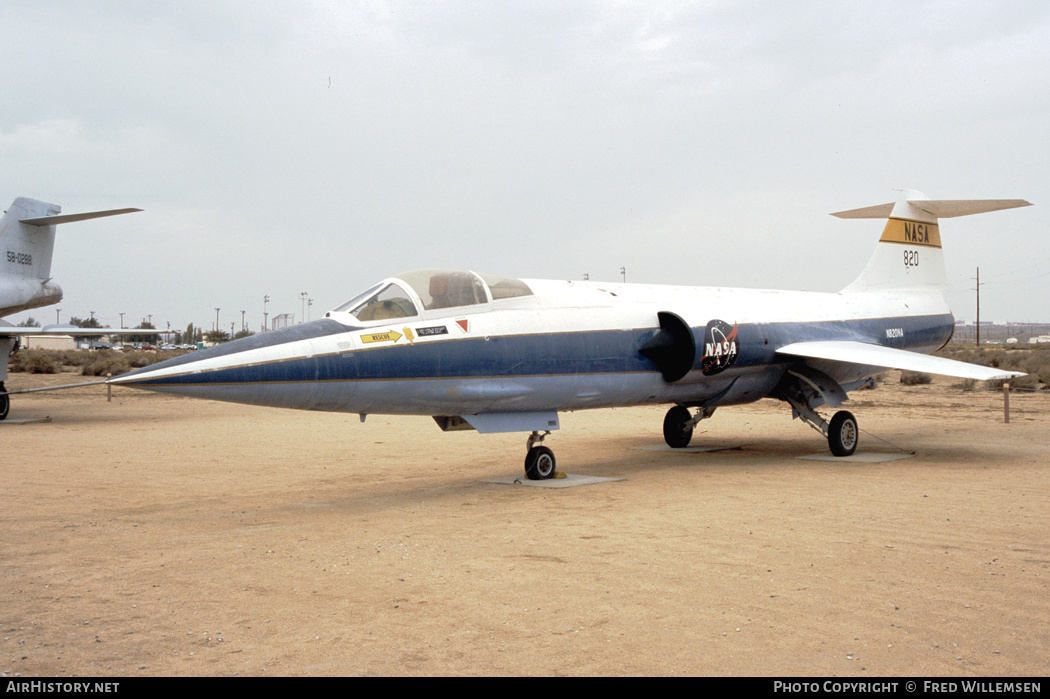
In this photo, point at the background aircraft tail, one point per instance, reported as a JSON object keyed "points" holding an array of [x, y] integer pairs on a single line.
{"points": [[27, 235], [27, 249], [909, 255]]}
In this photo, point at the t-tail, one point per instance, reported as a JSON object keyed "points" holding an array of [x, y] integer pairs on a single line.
{"points": [[909, 255], [27, 243]]}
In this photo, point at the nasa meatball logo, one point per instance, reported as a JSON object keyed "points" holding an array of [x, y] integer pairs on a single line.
{"points": [[720, 348]]}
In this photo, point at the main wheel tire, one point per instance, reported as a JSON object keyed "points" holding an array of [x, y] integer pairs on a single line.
{"points": [[676, 434], [539, 464], [5, 402], [843, 433]]}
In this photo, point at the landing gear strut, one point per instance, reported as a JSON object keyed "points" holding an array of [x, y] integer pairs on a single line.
{"points": [[801, 388], [842, 432], [8, 346], [679, 424], [539, 462]]}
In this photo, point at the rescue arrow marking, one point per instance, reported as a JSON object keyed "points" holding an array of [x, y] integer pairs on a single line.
{"points": [[388, 336]]}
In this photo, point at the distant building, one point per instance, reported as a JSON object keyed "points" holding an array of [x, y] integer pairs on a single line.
{"points": [[50, 342], [1000, 333], [283, 321]]}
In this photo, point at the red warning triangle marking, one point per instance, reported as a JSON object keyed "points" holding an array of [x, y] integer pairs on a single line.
{"points": [[465, 324]]}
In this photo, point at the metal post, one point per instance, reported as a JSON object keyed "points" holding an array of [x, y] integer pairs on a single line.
{"points": [[1006, 402]]}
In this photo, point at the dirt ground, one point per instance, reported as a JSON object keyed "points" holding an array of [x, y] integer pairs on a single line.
{"points": [[153, 535]]}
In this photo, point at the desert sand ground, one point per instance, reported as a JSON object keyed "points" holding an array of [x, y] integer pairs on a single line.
{"points": [[154, 535]]}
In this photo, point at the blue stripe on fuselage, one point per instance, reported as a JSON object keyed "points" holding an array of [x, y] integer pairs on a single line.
{"points": [[556, 354]]}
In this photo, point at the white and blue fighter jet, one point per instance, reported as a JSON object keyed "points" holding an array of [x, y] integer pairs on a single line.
{"points": [[497, 354]]}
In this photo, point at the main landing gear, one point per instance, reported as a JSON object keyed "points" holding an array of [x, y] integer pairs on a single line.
{"points": [[679, 424], [5, 401], [842, 432], [805, 388], [539, 461]]}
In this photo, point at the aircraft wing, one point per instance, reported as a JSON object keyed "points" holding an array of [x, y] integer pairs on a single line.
{"points": [[52, 330], [866, 354]]}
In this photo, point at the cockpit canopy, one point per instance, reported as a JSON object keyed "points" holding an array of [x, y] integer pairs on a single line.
{"points": [[408, 294]]}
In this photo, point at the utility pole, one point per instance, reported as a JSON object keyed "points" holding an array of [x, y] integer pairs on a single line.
{"points": [[303, 295], [216, 320], [623, 271], [57, 311], [266, 300], [243, 327], [978, 306]]}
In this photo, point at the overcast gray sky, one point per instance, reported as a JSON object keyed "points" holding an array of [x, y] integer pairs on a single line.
{"points": [[288, 147]]}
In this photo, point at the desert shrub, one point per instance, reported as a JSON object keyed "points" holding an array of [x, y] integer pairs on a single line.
{"points": [[1033, 360], [102, 366], [915, 378], [90, 362], [1037, 364], [137, 360], [34, 362]]}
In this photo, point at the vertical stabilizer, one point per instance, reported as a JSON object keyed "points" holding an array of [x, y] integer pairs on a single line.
{"points": [[909, 254], [27, 242], [26, 248]]}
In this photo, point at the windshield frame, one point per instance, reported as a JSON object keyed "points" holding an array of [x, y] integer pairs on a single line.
{"points": [[466, 292], [388, 300]]}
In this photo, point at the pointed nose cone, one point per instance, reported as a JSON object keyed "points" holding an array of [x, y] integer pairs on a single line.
{"points": [[281, 368]]}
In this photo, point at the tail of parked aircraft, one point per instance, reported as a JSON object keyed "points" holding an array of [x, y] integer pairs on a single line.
{"points": [[27, 248], [27, 235], [909, 255], [27, 242]]}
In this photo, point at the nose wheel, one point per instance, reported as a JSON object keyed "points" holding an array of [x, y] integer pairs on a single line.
{"points": [[539, 461]]}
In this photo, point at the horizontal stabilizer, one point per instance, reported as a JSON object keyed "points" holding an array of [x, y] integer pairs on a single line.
{"points": [[866, 354], [72, 218], [939, 208]]}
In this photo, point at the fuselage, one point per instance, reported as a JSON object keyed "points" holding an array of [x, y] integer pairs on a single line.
{"points": [[562, 346], [19, 293]]}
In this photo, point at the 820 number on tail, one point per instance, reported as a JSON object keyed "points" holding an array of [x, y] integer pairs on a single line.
{"points": [[911, 258]]}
